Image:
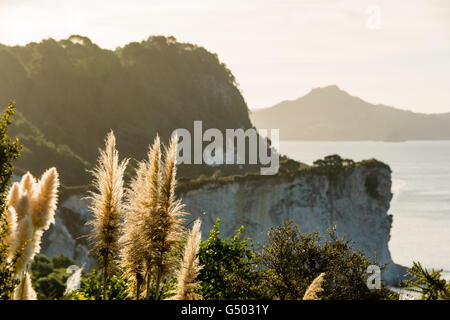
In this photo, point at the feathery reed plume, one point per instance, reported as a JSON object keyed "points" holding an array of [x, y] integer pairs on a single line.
{"points": [[314, 288], [11, 220], [44, 200], [27, 183], [21, 241], [74, 281], [34, 205], [31, 211], [169, 217], [190, 268], [140, 223], [131, 258], [22, 205], [25, 291], [153, 221], [107, 205], [13, 194], [169, 174]]}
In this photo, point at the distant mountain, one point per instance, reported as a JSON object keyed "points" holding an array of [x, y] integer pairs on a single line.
{"points": [[331, 114]]}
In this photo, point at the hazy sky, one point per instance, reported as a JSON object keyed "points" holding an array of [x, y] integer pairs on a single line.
{"points": [[277, 49]]}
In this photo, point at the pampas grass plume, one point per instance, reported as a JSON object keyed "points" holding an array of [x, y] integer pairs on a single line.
{"points": [[13, 194], [31, 211], [190, 268], [27, 183], [44, 200], [74, 281], [106, 204], [170, 216], [22, 205], [314, 288], [21, 242], [11, 220], [140, 223], [25, 291]]}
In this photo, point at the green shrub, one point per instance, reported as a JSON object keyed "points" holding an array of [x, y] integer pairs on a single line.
{"points": [[292, 260], [92, 288], [49, 275], [429, 284], [229, 270], [9, 152]]}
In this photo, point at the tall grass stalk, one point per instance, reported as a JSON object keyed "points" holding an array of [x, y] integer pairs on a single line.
{"points": [[107, 206], [314, 288], [186, 279], [31, 211], [153, 221]]}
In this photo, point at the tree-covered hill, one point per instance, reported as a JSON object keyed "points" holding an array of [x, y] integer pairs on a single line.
{"points": [[39, 152], [70, 93]]}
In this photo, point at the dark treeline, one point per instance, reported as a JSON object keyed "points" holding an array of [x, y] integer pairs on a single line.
{"points": [[69, 93]]}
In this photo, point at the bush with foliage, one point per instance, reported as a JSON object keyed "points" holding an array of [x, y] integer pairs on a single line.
{"points": [[93, 288], [332, 165], [232, 270], [49, 275], [429, 284], [9, 152], [292, 260], [228, 267]]}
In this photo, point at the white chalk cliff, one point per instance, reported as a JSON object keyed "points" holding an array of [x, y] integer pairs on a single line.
{"points": [[314, 202]]}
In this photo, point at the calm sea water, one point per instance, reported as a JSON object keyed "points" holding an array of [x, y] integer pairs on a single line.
{"points": [[421, 187]]}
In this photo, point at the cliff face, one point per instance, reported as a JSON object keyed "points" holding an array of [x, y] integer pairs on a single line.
{"points": [[69, 233], [357, 201]]}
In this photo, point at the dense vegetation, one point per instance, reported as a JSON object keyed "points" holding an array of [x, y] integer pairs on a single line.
{"points": [[429, 283], [9, 152], [285, 267], [71, 92], [232, 269], [39, 152], [49, 275], [229, 269]]}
